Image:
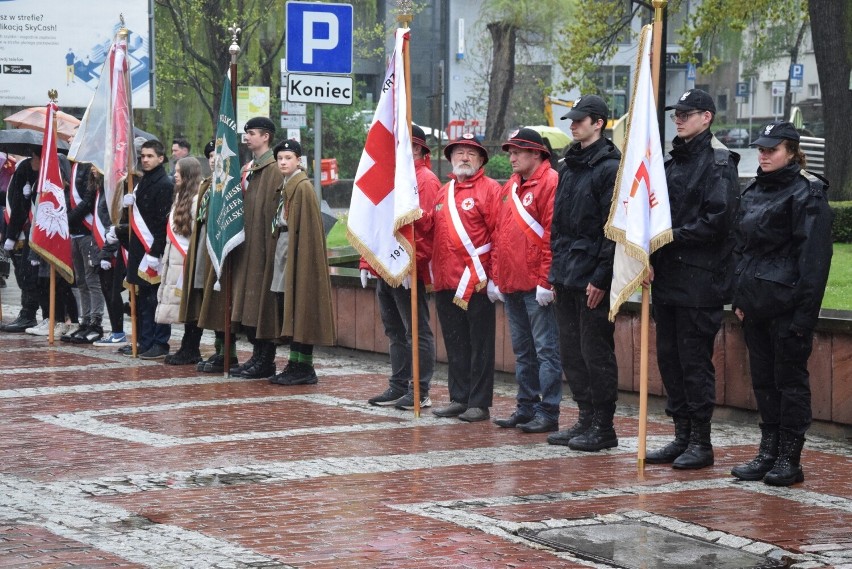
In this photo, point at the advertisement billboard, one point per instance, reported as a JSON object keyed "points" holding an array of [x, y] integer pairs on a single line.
{"points": [[62, 45]]}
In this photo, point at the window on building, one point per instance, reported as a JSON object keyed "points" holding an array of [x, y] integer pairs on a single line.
{"points": [[813, 90], [613, 81], [778, 106]]}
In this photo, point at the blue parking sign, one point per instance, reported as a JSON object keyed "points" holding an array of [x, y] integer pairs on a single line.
{"points": [[319, 38], [797, 71]]}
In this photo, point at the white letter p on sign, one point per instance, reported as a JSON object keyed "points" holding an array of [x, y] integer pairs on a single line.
{"points": [[312, 43]]}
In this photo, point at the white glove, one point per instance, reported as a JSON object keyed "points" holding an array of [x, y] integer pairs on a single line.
{"points": [[153, 262], [406, 283], [9, 244], [493, 292], [365, 274], [110, 236], [543, 296], [105, 265], [35, 262], [28, 190], [128, 200]]}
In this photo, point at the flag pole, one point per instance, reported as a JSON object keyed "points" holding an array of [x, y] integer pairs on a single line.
{"points": [[656, 47], [405, 17], [53, 94], [234, 50]]}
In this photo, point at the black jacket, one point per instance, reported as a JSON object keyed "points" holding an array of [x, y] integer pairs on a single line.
{"points": [[695, 269], [783, 250], [154, 201], [581, 252], [86, 206], [19, 220]]}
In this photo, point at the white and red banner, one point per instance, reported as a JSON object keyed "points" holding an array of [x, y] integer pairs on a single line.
{"points": [[105, 136], [640, 219], [50, 237], [384, 196], [76, 198], [143, 233]]}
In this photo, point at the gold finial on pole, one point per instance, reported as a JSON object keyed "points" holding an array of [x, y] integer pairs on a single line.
{"points": [[123, 32], [404, 12], [234, 48], [53, 95]]}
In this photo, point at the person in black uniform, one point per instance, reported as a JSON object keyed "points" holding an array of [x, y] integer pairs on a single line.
{"points": [[692, 277], [783, 254]]}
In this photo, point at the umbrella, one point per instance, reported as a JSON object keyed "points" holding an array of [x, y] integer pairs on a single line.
{"points": [[137, 132], [23, 141], [556, 137], [33, 118]]}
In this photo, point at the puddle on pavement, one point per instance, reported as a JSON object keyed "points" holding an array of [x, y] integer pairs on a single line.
{"points": [[632, 545]]}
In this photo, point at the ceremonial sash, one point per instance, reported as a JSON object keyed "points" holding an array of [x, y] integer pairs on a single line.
{"points": [[531, 228], [463, 244], [75, 198], [145, 236], [181, 244], [245, 175], [98, 229]]}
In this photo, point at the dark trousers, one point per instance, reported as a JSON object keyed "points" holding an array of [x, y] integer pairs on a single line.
{"points": [[395, 310], [150, 332], [685, 338], [26, 276], [66, 303], [778, 359], [112, 286], [587, 350], [469, 339]]}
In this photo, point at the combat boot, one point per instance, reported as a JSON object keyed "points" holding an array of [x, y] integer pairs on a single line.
{"points": [[584, 421], [674, 449], [788, 468], [699, 452], [601, 435], [767, 454], [255, 354]]}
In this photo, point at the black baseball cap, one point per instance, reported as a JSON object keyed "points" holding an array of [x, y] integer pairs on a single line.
{"points": [[772, 134], [587, 105], [262, 123], [694, 100]]}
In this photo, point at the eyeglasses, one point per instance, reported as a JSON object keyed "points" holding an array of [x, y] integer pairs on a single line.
{"points": [[681, 116]]}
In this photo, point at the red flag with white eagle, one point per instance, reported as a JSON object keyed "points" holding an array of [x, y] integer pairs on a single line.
{"points": [[384, 196], [50, 237]]}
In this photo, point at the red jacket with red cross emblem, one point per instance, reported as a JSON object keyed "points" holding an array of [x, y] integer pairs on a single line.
{"points": [[475, 201], [521, 257]]}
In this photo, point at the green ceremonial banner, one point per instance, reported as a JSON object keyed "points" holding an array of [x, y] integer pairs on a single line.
{"points": [[225, 207]]}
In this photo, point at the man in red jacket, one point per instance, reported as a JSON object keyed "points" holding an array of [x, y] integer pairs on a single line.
{"points": [[463, 222], [395, 302], [520, 266]]}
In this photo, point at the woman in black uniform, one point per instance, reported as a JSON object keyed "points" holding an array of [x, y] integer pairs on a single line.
{"points": [[783, 254]]}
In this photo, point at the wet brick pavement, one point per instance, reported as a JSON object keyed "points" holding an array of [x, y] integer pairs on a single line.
{"points": [[107, 461]]}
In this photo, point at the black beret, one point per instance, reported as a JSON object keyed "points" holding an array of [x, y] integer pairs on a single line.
{"points": [[291, 145], [262, 123]]}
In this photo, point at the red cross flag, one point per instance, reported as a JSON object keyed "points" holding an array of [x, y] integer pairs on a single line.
{"points": [[384, 196], [640, 219]]}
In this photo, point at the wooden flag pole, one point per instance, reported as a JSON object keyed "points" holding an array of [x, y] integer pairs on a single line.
{"points": [[659, 7], [405, 18], [52, 310], [234, 50]]}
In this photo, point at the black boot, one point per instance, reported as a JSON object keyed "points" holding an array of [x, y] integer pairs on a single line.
{"points": [[601, 435], [264, 366], [674, 449], [788, 468], [699, 452], [21, 323], [188, 353], [255, 354], [584, 421], [767, 453]]}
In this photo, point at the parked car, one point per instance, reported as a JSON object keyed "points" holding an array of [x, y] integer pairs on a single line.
{"points": [[734, 138]]}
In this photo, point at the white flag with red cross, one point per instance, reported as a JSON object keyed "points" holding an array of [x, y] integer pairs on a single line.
{"points": [[640, 219], [384, 196]]}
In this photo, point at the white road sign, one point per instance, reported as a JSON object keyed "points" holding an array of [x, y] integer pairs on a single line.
{"points": [[330, 89]]}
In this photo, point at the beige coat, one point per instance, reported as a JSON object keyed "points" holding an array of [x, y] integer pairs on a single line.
{"points": [[172, 276]]}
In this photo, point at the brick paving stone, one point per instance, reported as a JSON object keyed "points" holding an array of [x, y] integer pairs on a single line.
{"points": [[109, 461]]}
